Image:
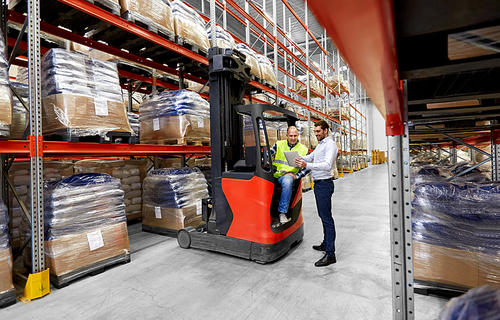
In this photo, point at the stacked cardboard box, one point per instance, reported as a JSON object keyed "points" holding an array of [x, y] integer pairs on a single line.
{"points": [[156, 14]]}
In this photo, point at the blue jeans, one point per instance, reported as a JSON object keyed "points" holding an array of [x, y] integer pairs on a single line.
{"points": [[286, 182], [323, 191]]}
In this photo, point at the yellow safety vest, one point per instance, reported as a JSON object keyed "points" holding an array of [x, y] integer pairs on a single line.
{"points": [[280, 162]]}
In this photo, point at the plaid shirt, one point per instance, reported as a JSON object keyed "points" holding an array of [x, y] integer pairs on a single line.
{"points": [[302, 173]]}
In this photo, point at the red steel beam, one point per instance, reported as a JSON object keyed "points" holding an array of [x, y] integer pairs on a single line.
{"points": [[364, 33]]}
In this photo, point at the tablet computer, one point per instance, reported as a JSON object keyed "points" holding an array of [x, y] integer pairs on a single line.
{"points": [[290, 157]]}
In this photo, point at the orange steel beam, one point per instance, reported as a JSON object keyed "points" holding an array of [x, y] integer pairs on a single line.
{"points": [[364, 33]]}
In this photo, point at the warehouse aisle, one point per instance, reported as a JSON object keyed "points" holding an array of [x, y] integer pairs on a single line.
{"points": [[164, 281]]}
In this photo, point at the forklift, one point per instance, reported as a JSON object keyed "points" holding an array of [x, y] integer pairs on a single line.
{"points": [[245, 195]]}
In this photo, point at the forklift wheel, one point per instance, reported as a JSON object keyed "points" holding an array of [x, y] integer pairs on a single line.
{"points": [[184, 239]]}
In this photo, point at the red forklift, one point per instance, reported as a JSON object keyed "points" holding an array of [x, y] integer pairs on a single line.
{"points": [[245, 195]]}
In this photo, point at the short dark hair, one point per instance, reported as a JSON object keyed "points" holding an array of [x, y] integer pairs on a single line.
{"points": [[323, 124]]}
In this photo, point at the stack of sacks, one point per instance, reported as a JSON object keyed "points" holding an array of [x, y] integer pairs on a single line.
{"points": [[174, 115], [131, 173], [223, 38], [81, 96], [333, 81], [172, 198], [20, 116], [314, 84], [267, 70], [335, 108], [84, 222], [133, 119], [251, 59], [455, 227], [189, 25], [19, 175], [5, 94], [157, 14], [5, 252]]}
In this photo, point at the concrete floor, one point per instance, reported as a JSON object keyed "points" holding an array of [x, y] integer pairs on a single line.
{"points": [[164, 281]]}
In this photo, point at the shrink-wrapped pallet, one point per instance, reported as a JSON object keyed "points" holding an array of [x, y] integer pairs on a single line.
{"points": [[131, 173], [175, 117], [251, 59], [267, 71], [189, 25], [306, 134], [81, 96], [341, 86], [19, 175], [5, 252], [455, 227], [85, 222], [156, 14], [223, 38], [5, 94], [172, 198], [20, 115]]}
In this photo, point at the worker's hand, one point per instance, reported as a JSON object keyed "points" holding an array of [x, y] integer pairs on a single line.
{"points": [[292, 175], [300, 163]]}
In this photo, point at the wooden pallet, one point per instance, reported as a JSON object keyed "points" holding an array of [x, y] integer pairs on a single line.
{"points": [[438, 289], [80, 135], [64, 280]]}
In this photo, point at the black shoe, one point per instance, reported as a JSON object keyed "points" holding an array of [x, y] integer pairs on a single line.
{"points": [[321, 247], [325, 261]]}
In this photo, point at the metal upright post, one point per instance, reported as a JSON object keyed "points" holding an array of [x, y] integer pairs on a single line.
{"points": [[224, 15], [495, 155], [247, 25], [400, 209], [275, 48], [350, 122], [454, 153], [264, 24], [36, 139]]}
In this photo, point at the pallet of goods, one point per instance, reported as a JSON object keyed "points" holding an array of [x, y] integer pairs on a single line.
{"points": [[189, 28], [7, 294], [82, 99], [5, 94], [172, 200], [85, 227], [175, 117], [153, 15]]}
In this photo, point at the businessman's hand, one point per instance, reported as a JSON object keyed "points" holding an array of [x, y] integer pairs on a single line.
{"points": [[300, 163]]}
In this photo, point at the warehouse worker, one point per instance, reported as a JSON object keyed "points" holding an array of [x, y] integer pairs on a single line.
{"points": [[322, 172], [285, 173]]}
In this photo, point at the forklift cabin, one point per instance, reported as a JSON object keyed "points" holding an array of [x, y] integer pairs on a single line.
{"points": [[245, 195]]}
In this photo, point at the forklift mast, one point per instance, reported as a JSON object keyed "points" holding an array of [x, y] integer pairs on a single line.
{"points": [[228, 78]]}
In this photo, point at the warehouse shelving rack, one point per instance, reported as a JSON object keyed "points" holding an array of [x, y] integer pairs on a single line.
{"points": [[35, 148]]}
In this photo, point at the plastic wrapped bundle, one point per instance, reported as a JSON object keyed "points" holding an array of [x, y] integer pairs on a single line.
{"points": [[5, 251], [172, 198], [223, 38], [131, 173], [22, 75], [479, 303], [5, 94], [175, 117], [305, 132], [81, 96], [455, 223], [156, 14], [84, 221], [267, 70], [189, 25], [314, 84], [251, 59], [20, 116]]}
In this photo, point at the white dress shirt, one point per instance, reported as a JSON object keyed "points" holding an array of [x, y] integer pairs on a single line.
{"points": [[323, 156]]}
